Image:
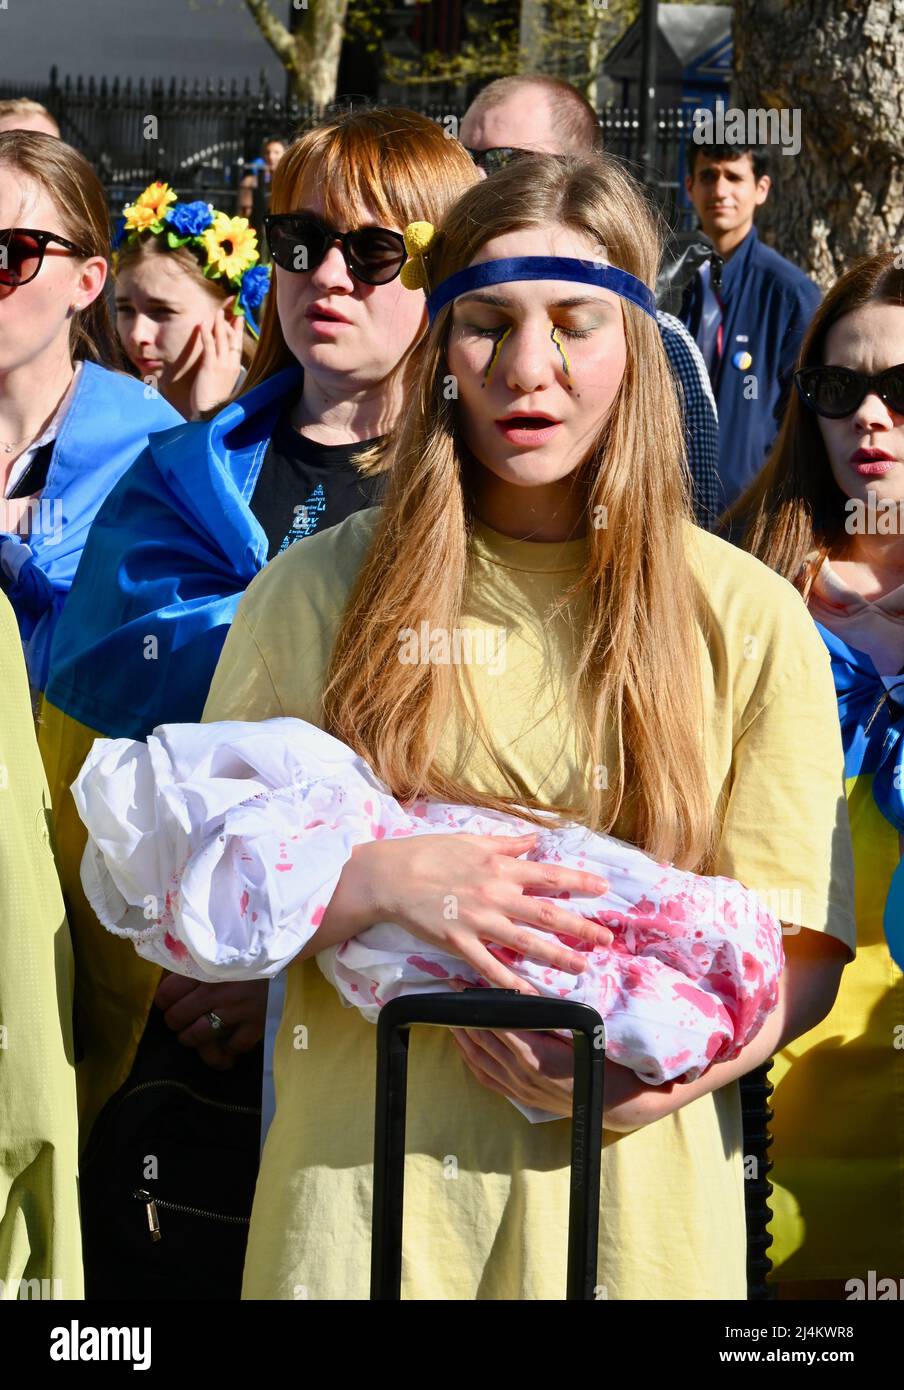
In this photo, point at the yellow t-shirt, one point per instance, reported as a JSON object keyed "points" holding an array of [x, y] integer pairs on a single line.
{"points": [[493, 1223]]}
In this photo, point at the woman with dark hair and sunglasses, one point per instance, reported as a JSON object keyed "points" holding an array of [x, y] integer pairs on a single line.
{"points": [[203, 510], [827, 514], [70, 422]]}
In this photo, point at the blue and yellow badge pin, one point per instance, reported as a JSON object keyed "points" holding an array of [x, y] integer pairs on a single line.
{"points": [[742, 360]]}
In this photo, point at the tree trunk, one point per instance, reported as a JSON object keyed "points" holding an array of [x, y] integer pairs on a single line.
{"points": [[311, 54], [840, 65]]}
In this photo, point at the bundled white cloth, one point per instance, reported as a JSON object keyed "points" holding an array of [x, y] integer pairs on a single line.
{"points": [[215, 848]]}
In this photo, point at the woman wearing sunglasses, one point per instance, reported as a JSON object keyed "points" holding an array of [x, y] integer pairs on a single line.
{"points": [[654, 685], [827, 514], [70, 422], [199, 515]]}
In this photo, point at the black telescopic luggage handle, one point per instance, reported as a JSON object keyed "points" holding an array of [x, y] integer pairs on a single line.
{"points": [[486, 1008]]}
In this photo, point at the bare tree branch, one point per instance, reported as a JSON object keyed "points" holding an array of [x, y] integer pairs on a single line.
{"points": [[311, 54]]}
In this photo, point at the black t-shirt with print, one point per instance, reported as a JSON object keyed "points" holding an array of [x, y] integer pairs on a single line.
{"points": [[304, 487]]}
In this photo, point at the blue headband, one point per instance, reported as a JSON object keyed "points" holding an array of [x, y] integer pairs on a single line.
{"points": [[606, 277]]}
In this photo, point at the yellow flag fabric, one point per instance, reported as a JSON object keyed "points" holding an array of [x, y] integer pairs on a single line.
{"points": [[838, 1148], [486, 1193], [114, 987], [40, 1241]]}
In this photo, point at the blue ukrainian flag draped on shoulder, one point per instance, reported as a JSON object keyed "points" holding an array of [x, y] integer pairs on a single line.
{"points": [[102, 433], [170, 554], [871, 710], [838, 1149]]}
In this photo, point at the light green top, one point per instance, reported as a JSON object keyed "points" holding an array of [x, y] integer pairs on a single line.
{"points": [[39, 1218]]}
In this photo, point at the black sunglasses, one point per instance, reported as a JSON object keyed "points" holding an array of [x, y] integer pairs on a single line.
{"points": [[835, 392], [22, 253], [497, 158], [298, 241]]}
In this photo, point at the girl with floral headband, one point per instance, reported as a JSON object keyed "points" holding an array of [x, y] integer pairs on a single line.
{"points": [[656, 687], [189, 292]]}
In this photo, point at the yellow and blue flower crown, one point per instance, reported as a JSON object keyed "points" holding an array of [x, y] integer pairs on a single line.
{"points": [[227, 247]]}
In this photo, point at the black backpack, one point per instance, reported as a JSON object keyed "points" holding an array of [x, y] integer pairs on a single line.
{"points": [[167, 1178]]}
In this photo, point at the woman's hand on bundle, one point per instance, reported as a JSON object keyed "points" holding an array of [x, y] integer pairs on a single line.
{"points": [[470, 895], [220, 361], [241, 1006], [538, 1069], [534, 1068]]}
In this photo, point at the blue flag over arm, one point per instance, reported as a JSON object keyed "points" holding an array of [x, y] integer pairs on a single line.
{"points": [[167, 560]]}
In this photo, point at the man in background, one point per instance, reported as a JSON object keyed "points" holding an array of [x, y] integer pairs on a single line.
{"points": [[749, 326], [515, 116], [262, 170]]}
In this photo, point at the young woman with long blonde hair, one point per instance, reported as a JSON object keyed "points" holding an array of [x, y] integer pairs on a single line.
{"points": [[655, 684]]}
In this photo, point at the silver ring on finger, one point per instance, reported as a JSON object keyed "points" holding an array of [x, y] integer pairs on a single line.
{"points": [[214, 1020]]}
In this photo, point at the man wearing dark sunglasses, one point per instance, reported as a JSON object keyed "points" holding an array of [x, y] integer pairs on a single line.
{"points": [[519, 116], [535, 114]]}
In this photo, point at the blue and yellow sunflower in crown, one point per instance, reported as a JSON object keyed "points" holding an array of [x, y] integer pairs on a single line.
{"points": [[227, 247]]}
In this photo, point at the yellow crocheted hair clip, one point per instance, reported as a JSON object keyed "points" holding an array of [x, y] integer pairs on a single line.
{"points": [[418, 237]]}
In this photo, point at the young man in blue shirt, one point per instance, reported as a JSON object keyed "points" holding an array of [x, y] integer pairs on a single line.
{"points": [[750, 325]]}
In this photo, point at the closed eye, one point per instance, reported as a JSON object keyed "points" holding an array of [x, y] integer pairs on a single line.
{"points": [[496, 332]]}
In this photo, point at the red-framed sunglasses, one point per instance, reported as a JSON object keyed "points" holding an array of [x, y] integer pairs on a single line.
{"points": [[22, 251]]}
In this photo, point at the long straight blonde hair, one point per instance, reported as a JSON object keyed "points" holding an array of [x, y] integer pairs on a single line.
{"points": [[638, 655]]}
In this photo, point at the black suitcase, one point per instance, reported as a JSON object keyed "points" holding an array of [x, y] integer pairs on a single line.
{"points": [[486, 1008]]}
